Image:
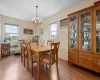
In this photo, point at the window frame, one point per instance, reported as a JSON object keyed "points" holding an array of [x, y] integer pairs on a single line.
{"points": [[11, 33], [53, 31]]}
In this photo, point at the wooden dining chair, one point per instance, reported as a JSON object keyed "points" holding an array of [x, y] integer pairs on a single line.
{"points": [[53, 57], [24, 54], [32, 58], [49, 42], [42, 43], [34, 41]]}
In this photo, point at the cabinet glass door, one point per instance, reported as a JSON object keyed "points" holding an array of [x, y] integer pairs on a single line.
{"points": [[85, 31], [98, 30], [73, 32]]}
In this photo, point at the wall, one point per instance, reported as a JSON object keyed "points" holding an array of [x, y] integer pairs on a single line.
{"points": [[63, 33], [22, 24], [0, 36]]}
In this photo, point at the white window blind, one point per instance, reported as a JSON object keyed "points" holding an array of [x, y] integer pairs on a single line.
{"points": [[11, 32], [53, 31]]}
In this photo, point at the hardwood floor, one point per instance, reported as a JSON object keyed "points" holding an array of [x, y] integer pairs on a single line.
{"points": [[11, 68]]}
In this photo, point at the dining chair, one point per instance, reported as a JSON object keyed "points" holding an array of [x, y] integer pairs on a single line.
{"points": [[49, 42], [35, 42], [42, 43], [32, 58], [52, 58], [24, 55]]}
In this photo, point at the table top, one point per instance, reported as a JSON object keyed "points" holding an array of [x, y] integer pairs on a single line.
{"points": [[37, 48]]}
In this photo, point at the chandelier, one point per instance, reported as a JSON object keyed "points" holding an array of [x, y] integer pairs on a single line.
{"points": [[36, 20]]}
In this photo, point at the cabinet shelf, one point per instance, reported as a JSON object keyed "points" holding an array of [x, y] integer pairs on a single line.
{"points": [[85, 40], [85, 31]]}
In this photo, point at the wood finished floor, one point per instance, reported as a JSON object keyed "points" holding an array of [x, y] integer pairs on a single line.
{"points": [[12, 69]]}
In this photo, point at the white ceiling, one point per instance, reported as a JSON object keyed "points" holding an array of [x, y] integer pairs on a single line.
{"points": [[25, 9]]}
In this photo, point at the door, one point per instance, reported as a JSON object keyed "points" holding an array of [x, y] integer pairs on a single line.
{"points": [[85, 30], [73, 32]]}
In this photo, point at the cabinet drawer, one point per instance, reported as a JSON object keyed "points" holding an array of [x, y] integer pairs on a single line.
{"points": [[73, 57], [96, 58], [86, 56], [96, 67], [86, 63]]}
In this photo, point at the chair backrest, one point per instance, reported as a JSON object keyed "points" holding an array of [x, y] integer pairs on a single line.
{"points": [[29, 51], [42, 43], [27, 41], [49, 42], [34, 41], [54, 52], [22, 48]]}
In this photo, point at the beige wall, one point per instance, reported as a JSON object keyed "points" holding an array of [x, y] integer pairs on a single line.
{"points": [[0, 36], [22, 24], [62, 33]]}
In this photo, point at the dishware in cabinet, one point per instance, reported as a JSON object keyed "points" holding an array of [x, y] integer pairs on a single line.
{"points": [[96, 37], [73, 31], [85, 30]]}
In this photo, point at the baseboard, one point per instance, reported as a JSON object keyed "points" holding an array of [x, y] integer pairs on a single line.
{"points": [[63, 59]]}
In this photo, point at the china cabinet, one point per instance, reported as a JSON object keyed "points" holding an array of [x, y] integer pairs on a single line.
{"points": [[73, 38], [85, 30], [96, 36], [84, 37], [73, 31], [5, 50]]}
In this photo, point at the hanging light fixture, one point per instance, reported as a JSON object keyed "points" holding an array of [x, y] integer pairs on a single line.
{"points": [[36, 20]]}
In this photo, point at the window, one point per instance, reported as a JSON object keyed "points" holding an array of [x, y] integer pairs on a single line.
{"points": [[53, 31], [11, 32]]}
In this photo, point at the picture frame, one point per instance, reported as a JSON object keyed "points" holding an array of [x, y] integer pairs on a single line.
{"points": [[41, 32], [64, 23], [28, 31]]}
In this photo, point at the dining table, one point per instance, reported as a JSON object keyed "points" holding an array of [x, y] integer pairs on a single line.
{"points": [[39, 51]]}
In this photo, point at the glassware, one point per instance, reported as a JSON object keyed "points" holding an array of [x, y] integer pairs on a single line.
{"points": [[98, 30], [73, 31], [85, 31]]}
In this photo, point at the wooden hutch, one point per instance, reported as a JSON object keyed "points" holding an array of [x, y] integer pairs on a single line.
{"points": [[84, 37], [5, 49]]}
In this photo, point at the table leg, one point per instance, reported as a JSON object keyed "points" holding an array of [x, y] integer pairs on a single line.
{"points": [[38, 61]]}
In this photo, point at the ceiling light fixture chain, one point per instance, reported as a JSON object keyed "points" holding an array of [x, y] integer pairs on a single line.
{"points": [[36, 11], [36, 20]]}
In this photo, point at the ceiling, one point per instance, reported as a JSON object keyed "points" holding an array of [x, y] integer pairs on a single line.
{"points": [[25, 9]]}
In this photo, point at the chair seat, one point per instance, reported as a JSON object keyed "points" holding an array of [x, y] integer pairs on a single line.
{"points": [[46, 59]]}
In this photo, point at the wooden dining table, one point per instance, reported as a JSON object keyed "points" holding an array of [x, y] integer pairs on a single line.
{"points": [[39, 51]]}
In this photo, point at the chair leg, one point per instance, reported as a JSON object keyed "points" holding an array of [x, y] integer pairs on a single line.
{"points": [[32, 67], [27, 64], [42, 66], [57, 64], [24, 61], [21, 58], [46, 66], [49, 71]]}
